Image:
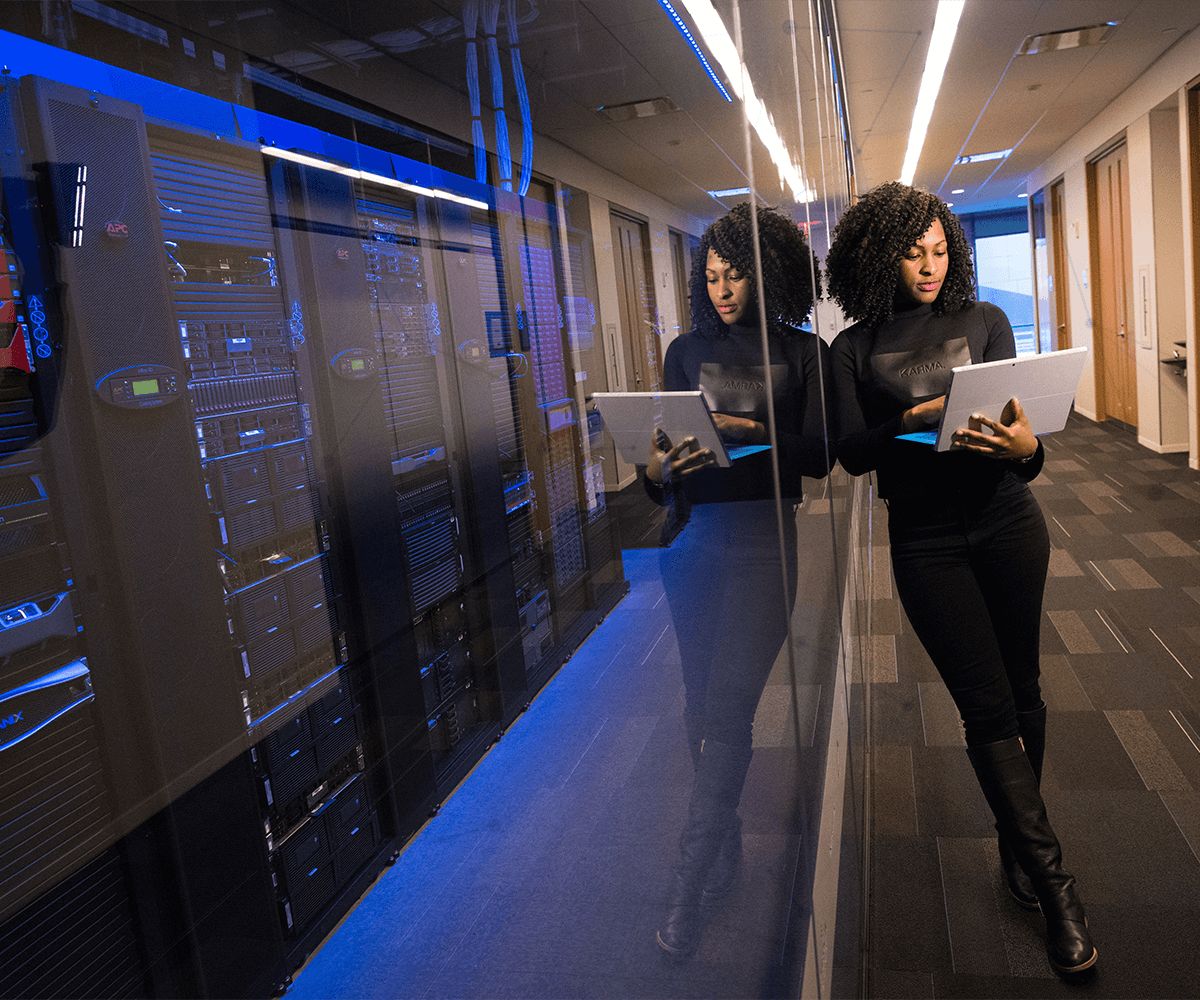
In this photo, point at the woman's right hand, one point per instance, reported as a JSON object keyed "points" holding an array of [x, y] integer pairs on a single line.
{"points": [[675, 460], [923, 415]]}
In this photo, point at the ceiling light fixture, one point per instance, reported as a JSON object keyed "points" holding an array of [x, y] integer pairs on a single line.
{"points": [[998, 154], [366, 175], [684, 30], [959, 191], [638, 109], [728, 193], [945, 26], [1072, 38], [711, 28]]}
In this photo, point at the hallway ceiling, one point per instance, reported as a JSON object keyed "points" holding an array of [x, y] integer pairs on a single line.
{"points": [[990, 98], [581, 55]]}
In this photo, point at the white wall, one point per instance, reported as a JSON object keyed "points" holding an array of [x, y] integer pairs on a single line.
{"points": [[1130, 115], [1079, 278], [1140, 300], [1186, 199], [1168, 309]]}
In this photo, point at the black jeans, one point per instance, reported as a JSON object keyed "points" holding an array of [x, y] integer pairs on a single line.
{"points": [[970, 573], [724, 586]]}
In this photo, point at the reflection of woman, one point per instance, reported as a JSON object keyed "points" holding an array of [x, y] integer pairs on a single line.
{"points": [[969, 544], [723, 577]]}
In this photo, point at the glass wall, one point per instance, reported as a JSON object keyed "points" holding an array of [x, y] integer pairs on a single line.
{"points": [[347, 646]]}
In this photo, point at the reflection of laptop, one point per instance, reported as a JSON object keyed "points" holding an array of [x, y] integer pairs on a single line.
{"points": [[632, 417], [1045, 384]]}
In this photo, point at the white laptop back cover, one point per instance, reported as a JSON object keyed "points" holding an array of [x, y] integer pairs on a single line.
{"points": [[1045, 385]]}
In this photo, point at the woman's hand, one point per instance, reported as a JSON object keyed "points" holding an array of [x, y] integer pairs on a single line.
{"points": [[1011, 436], [923, 415], [740, 430], [675, 460]]}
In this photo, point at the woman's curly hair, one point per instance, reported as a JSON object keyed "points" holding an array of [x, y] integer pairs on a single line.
{"points": [[788, 266], [862, 268]]}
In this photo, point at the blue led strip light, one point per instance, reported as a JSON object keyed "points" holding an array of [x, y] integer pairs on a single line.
{"points": [[687, 34]]}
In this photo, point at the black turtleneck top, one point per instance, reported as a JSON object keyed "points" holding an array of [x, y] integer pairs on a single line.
{"points": [[729, 370], [878, 374]]}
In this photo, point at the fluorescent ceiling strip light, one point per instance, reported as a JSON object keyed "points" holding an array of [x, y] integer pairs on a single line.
{"points": [[728, 193], [687, 34], [711, 28], [998, 154], [366, 175], [945, 26]]}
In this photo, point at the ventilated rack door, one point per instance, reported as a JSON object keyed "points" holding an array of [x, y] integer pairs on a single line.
{"points": [[251, 422], [561, 488], [509, 368], [422, 420], [55, 813]]}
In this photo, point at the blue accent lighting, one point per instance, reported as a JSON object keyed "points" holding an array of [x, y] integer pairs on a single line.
{"points": [[687, 34]]}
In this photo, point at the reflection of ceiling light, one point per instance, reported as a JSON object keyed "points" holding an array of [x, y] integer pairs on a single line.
{"points": [[711, 28], [729, 193], [1072, 38], [638, 109], [959, 191], [998, 154], [945, 26], [366, 175], [683, 30]]}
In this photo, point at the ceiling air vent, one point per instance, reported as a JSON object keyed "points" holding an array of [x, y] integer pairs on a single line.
{"points": [[1072, 38], [638, 109]]}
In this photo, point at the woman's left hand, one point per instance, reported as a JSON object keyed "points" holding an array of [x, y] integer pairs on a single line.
{"points": [[1010, 437], [740, 430]]}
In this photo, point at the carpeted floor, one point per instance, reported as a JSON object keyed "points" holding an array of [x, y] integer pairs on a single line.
{"points": [[1121, 678]]}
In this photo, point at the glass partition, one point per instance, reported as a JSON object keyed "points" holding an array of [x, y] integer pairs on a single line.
{"points": [[348, 644]]}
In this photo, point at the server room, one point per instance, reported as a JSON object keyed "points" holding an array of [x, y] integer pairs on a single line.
{"points": [[371, 624]]}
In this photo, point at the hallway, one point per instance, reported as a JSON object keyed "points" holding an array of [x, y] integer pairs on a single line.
{"points": [[544, 874]]}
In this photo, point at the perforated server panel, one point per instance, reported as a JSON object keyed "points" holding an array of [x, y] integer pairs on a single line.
{"points": [[253, 421], [65, 916], [158, 651]]}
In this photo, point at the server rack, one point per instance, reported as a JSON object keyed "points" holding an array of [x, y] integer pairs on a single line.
{"points": [[324, 495], [432, 465], [253, 424], [584, 573], [54, 806]]}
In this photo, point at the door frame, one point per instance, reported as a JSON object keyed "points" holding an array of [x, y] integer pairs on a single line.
{"points": [[1060, 309]]}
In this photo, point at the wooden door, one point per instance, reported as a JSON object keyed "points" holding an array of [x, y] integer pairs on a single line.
{"points": [[638, 310], [1059, 275], [1113, 330]]}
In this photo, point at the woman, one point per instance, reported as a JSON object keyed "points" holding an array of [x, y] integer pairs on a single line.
{"points": [[969, 545], [723, 576]]}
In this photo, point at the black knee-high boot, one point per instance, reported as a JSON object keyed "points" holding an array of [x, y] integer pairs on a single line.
{"points": [[1032, 728], [722, 873], [694, 726], [1011, 789], [712, 812]]}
